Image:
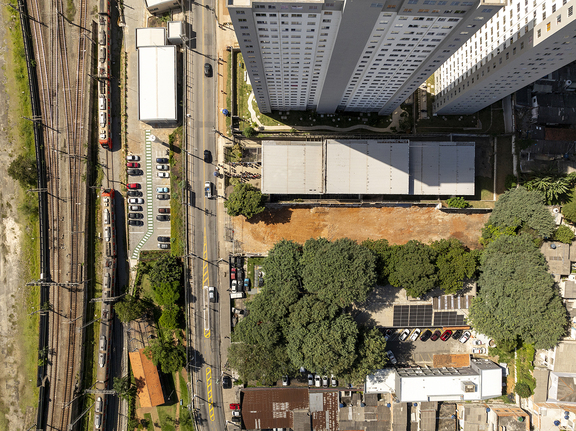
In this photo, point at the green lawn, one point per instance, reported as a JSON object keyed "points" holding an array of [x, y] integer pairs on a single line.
{"points": [[484, 189], [166, 415], [148, 417]]}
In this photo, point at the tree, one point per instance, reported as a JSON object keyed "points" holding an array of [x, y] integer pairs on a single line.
{"points": [[383, 253], [249, 132], [339, 272], [24, 170], [517, 298], [245, 200], [169, 318], [523, 390], [490, 233], [167, 294], [167, 269], [283, 262], [370, 347], [123, 386], [166, 354], [130, 308], [553, 187], [262, 365], [564, 234], [454, 263], [457, 202], [518, 208], [412, 267], [569, 211]]}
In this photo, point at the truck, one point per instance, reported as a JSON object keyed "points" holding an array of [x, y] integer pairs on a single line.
{"points": [[236, 295]]}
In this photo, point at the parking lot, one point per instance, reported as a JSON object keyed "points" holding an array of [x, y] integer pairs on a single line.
{"points": [[145, 236]]}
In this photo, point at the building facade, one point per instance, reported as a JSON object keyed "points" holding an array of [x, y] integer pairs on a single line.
{"points": [[523, 42], [354, 56]]}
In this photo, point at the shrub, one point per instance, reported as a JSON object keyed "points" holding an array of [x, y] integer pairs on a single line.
{"points": [[564, 234], [457, 202], [249, 132], [569, 212], [523, 390]]}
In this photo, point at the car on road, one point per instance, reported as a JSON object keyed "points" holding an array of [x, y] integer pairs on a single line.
{"points": [[404, 334], [162, 160], [163, 239], [415, 334], [135, 215], [333, 381], [162, 190], [212, 293], [135, 201], [164, 210], [207, 70], [208, 189], [207, 156], [317, 380], [446, 335], [234, 285], [133, 185], [246, 283], [163, 246], [391, 357], [457, 334], [226, 382], [99, 405], [134, 193], [133, 158], [236, 419], [163, 217], [132, 165], [135, 223], [134, 172], [325, 381], [163, 197], [425, 335], [232, 273], [436, 335], [162, 167], [285, 381], [310, 379], [163, 175], [465, 337], [479, 350], [135, 208]]}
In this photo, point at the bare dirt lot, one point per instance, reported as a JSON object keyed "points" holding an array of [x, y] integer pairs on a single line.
{"points": [[397, 225]]}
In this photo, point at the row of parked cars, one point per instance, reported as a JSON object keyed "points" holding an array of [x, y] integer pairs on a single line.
{"points": [[462, 336], [316, 380]]}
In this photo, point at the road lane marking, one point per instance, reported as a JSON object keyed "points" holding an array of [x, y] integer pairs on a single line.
{"points": [[209, 396]]}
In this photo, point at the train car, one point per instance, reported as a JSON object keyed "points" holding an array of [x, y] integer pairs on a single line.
{"points": [[103, 59], [108, 223]]}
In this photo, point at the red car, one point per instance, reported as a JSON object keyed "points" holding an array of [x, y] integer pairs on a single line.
{"points": [[133, 185], [234, 406], [446, 335], [133, 165], [435, 335], [233, 274]]}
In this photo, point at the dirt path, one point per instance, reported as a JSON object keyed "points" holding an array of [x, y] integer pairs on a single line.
{"points": [[397, 225]]}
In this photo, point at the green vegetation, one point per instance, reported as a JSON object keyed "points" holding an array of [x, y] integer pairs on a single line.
{"points": [[124, 387], [245, 200], [555, 187], [569, 211], [23, 169], [564, 234], [131, 308], [164, 352], [177, 189], [249, 132], [458, 202]]}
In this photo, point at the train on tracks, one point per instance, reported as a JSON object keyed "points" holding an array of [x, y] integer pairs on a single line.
{"points": [[107, 311], [104, 95]]}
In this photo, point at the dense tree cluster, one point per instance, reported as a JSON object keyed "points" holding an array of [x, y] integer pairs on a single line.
{"points": [[245, 200]]}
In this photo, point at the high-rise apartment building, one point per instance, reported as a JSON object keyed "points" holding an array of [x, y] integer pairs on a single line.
{"points": [[523, 42], [351, 55]]}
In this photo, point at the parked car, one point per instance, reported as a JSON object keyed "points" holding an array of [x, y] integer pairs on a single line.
{"points": [[415, 334], [325, 381], [426, 335], [132, 158], [163, 239], [478, 342], [163, 197], [98, 422], [404, 334], [479, 350], [135, 201], [234, 285], [207, 156], [226, 382], [465, 337], [236, 419], [162, 160], [391, 357], [133, 185], [333, 381], [285, 381], [163, 217], [135, 223], [446, 335], [163, 175], [135, 215], [238, 311], [132, 165], [134, 172], [317, 381], [232, 273], [164, 210], [207, 70], [387, 334], [163, 246], [310, 379], [212, 294], [457, 334], [162, 167], [162, 190], [135, 208], [436, 335], [234, 406], [235, 414], [134, 193], [208, 189], [246, 283]]}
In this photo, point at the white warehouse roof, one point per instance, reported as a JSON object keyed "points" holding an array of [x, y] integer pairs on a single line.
{"points": [[154, 36], [157, 84]]}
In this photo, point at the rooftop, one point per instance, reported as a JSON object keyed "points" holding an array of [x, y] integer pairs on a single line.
{"points": [[564, 355], [272, 408], [456, 361], [562, 388], [150, 392], [558, 258]]}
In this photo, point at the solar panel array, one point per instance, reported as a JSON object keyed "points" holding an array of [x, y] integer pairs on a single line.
{"points": [[412, 315], [448, 318]]}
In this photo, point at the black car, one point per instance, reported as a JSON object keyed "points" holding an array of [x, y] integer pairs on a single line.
{"points": [[426, 335], [207, 156], [226, 382], [161, 160], [135, 215], [134, 172], [163, 239], [135, 223], [163, 197], [207, 69], [457, 334], [134, 193], [163, 217]]}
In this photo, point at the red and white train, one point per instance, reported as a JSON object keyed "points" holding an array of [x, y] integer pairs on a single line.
{"points": [[104, 95]]}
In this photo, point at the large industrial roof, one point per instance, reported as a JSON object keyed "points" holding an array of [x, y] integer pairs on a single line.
{"points": [[157, 83], [264, 408], [153, 36]]}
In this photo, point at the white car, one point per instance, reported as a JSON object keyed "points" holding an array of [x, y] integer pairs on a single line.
{"points": [[162, 167], [163, 175], [404, 334], [479, 350], [317, 380], [333, 381], [478, 342], [133, 158], [391, 356], [99, 404], [135, 201], [310, 380], [465, 337], [325, 381], [415, 334], [234, 285]]}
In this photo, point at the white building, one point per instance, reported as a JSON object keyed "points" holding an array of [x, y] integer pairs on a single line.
{"points": [[161, 6], [157, 84], [523, 42], [349, 55]]}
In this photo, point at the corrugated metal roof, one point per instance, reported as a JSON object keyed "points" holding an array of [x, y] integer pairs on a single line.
{"points": [[326, 418], [264, 408], [157, 83]]}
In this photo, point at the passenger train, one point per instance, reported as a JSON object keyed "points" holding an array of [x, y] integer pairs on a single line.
{"points": [[104, 47]]}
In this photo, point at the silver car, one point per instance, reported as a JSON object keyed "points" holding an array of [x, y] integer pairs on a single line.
{"points": [[135, 201]]}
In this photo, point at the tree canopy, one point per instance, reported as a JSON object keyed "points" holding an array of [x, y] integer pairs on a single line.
{"points": [[23, 169], [454, 263], [412, 267], [564, 234], [569, 211], [517, 298], [166, 294], [167, 269], [245, 200], [130, 308], [171, 357]]}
